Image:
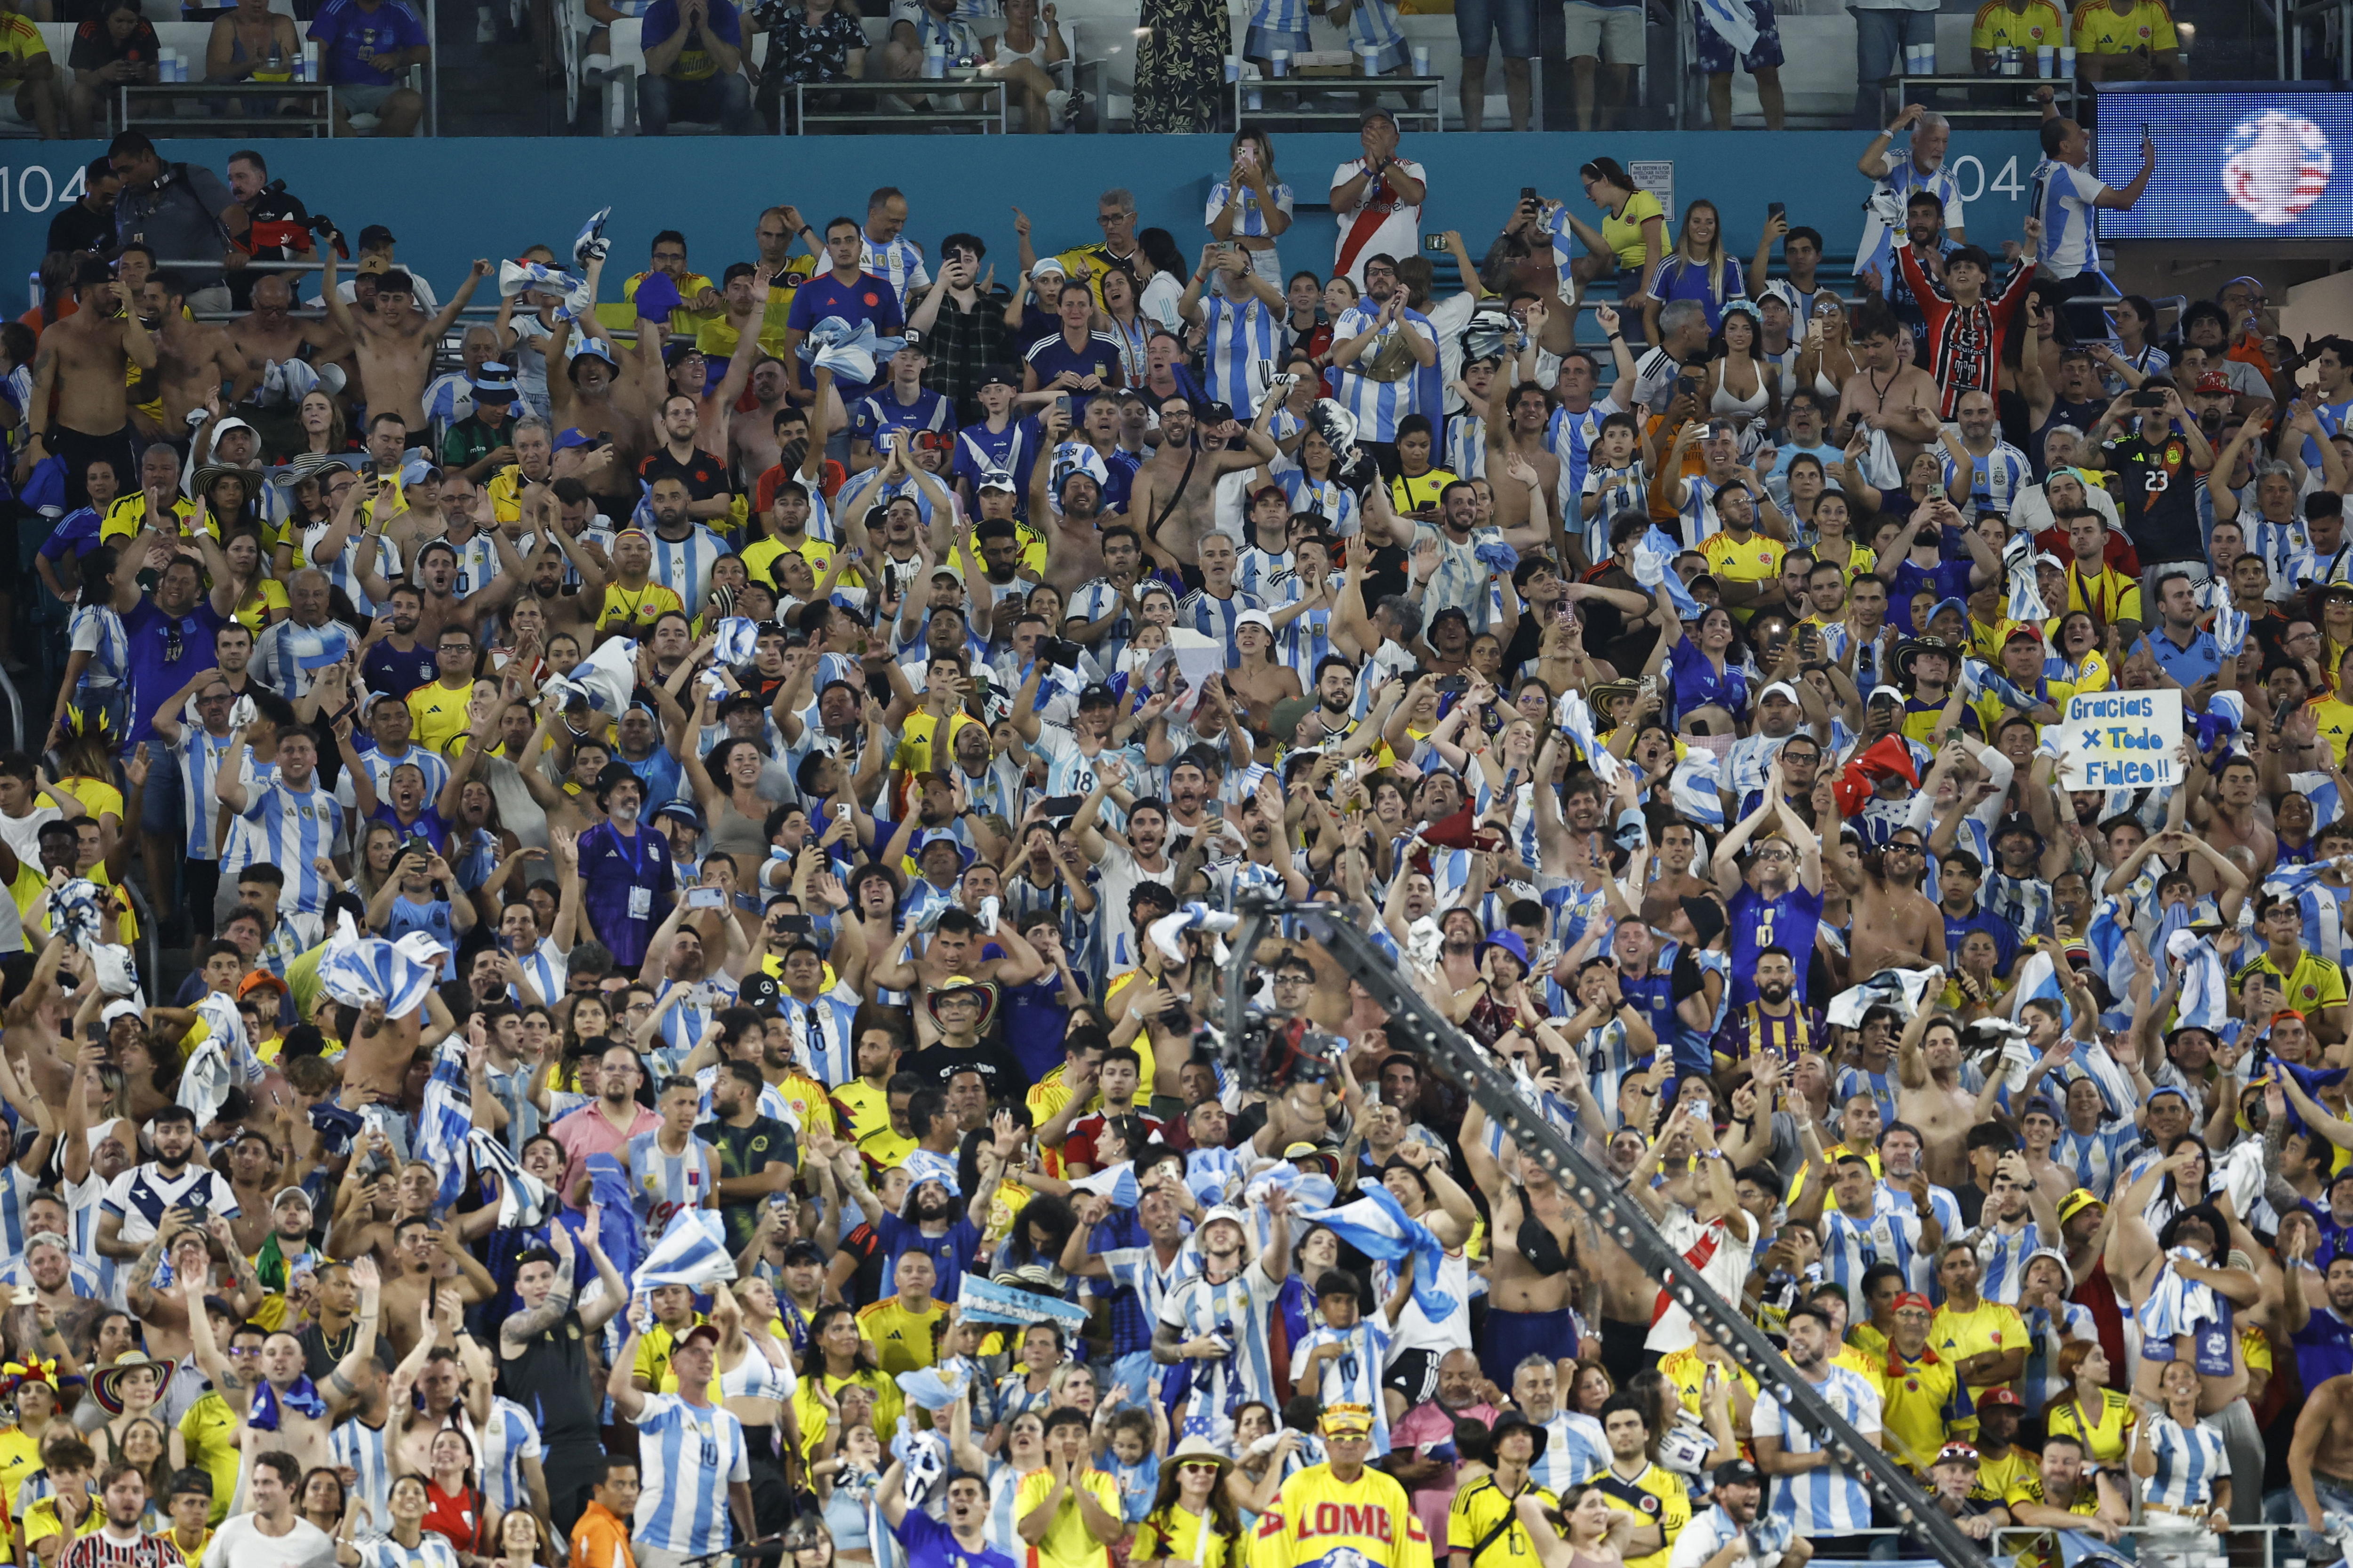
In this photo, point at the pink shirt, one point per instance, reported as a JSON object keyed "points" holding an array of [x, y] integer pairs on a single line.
{"points": [[588, 1131], [1425, 1426]]}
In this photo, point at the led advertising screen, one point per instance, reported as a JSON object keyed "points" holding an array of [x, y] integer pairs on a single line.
{"points": [[2241, 165]]}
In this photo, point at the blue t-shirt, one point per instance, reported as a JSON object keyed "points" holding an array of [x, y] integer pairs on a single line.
{"points": [[1678, 279], [726, 25], [1050, 356], [1945, 580], [1013, 448], [433, 919], [2004, 935], [625, 887], [931, 1544], [76, 534], [1757, 922], [1697, 684], [1035, 1021], [951, 1250], [350, 35], [2201, 660], [429, 825], [390, 672], [166, 653], [865, 299], [660, 774], [883, 411]]}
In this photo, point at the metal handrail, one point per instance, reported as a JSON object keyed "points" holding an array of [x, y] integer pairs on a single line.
{"points": [[15, 711], [150, 939]]}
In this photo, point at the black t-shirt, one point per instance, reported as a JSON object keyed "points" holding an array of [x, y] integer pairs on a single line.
{"points": [[705, 475], [1607, 635], [746, 1152], [2156, 497], [76, 227], [996, 1065], [94, 45]]}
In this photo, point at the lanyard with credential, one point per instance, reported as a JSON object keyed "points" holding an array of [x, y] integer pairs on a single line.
{"points": [[637, 854]]}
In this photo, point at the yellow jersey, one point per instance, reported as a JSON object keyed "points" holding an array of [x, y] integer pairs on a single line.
{"points": [[653, 1353], [888, 1405], [41, 1521], [637, 606], [1956, 1336], [2333, 717], [2108, 1436], [1915, 1399], [865, 1108], [1657, 1496], [1473, 1518], [1622, 232], [128, 515], [2313, 982], [905, 1340], [1996, 1477], [20, 40], [2037, 25], [1189, 1537], [1318, 1521], [2100, 30], [761, 555], [438, 713], [1755, 559], [1688, 1373], [1068, 1543], [2111, 595]]}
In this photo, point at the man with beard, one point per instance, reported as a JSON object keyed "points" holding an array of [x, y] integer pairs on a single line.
{"points": [[1731, 1535], [1890, 924], [1106, 602], [1769, 906], [1822, 1502], [276, 1391], [191, 359], [1776, 1023], [930, 1221], [756, 1154], [960, 1009], [2061, 1495], [1462, 1395], [267, 339], [1066, 504], [2322, 1328], [1216, 1320], [1139, 1278]]}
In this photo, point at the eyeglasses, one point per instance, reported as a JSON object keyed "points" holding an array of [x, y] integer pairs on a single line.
{"points": [[1198, 1467]]}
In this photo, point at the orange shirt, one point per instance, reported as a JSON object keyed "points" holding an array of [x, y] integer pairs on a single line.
{"points": [[601, 1540]]}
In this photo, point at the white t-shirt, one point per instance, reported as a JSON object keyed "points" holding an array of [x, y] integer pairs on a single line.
{"points": [[22, 834], [2064, 196], [239, 1544], [1390, 227]]}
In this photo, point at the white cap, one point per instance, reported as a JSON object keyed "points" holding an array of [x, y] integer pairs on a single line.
{"points": [[1046, 263], [1783, 687], [114, 1010], [1255, 618], [1227, 1211]]}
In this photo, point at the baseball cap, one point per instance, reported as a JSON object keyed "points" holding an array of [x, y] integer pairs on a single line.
{"points": [[2161, 1089], [686, 811], [1227, 1211], [1999, 1395], [375, 236], [1258, 618], [1000, 375], [700, 1334], [1959, 1453], [1736, 1473], [2212, 380], [285, 1193], [1347, 1420], [1781, 688]]}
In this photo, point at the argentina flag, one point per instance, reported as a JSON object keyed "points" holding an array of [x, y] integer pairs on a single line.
{"points": [[1377, 1226], [1577, 718], [604, 679], [850, 353], [446, 1121], [1116, 1183], [1695, 787], [523, 1198], [1654, 567], [359, 970], [691, 1252]]}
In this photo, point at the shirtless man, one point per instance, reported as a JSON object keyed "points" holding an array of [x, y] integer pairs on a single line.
{"points": [[1071, 504], [746, 295], [1929, 1094], [1536, 1279], [2321, 1454], [1891, 924], [81, 362], [1174, 498], [378, 1057], [396, 342], [588, 389], [443, 1379], [1888, 391], [191, 359], [271, 334], [2232, 820], [281, 1367], [433, 1267], [751, 436]]}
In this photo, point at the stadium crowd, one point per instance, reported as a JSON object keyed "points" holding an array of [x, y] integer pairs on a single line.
{"points": [[706, 839]]}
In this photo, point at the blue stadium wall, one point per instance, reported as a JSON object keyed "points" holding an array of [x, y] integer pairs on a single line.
{"points": [[452, 200]]}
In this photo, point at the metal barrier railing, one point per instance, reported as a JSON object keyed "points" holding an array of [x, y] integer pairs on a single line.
{"points": [[2016, 1539]]}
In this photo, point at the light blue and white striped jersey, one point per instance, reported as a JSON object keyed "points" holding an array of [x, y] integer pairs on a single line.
{"points": [[343, 571], [1250, 221], [1353, 1378], [1138, 1270], [900, 261], [1302, 642], [2189, 1460], [1466, 446], [1618, 489], [278, 653], [546, 967], [16, 1190], [509, 1438], [686, 1454], [97, 630], [1372, 24], [1215, 617], [292, 829], [2003, 1257], [360, 1447], [1850, 1246], [2332, 417], [683, 565], [380, 763], [1573, 1452], [2023, 901], [682, 1026], [1327, 498], [772, 1101], [822, 1033], [1237, 1309], [1377, 406], [1461, 580], [1241, 332], [198, 756], [477, 563], [663, 1184], [1829, 1500], [1995, 480], [432, 1551], [1069, 769], [2062, 199], [1880, 1085], [1092, 601], [2094, 1157], [1569, 437], [1274, 17], [1255, 571]]}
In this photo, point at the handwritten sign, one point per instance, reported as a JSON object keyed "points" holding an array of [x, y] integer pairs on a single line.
{"points": [[2120, 740]]}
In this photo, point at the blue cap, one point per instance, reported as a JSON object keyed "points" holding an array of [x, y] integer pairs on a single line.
{"points": [[1942, 605], [1510, 942]]}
